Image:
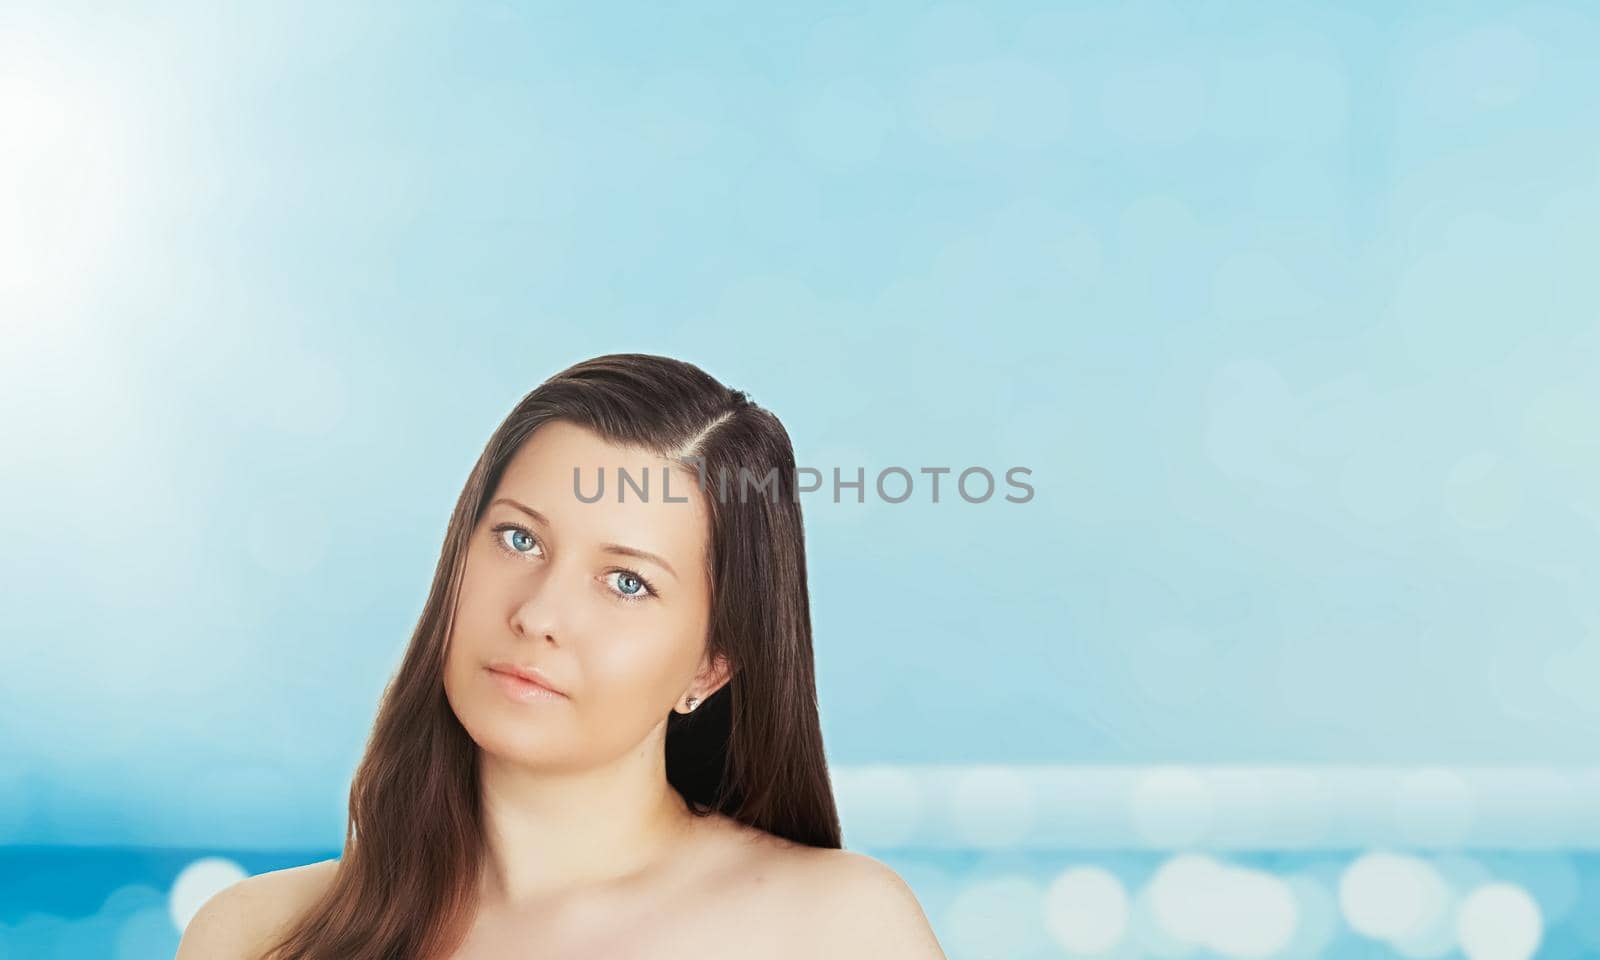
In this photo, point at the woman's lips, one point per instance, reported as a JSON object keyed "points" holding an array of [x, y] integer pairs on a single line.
{"points": [[521, 690]]}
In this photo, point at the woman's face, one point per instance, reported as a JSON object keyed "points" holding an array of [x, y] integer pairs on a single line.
{"points": [[623, 636]]}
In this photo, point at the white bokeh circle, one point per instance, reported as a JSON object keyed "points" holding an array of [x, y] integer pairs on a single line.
{"points": [[1499, 921], [199, 882], [1391, 896], [1086, 910]]}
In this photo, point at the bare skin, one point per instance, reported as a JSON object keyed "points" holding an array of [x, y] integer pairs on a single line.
{"points": [[737, 891]]}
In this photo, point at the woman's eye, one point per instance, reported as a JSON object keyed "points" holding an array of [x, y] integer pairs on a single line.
{"points": [[631, 586], [520, 542]]}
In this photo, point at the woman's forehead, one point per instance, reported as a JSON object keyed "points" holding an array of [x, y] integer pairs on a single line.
{"points": [[589, 488]]}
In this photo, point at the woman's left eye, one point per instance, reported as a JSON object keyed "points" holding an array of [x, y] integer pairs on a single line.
{"points": [[630, 586]]}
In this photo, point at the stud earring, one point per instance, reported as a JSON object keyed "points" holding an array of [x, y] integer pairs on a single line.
{"points": [[689, 703]]}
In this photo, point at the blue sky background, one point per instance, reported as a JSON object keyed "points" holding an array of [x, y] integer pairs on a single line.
{"points": [[1285, 307]]}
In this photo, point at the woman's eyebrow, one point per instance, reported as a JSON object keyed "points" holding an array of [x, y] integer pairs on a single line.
{"points": [[627, 551], [616, 548]]}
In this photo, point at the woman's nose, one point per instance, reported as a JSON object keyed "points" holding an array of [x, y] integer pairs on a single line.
{"points": [[546, 609]]}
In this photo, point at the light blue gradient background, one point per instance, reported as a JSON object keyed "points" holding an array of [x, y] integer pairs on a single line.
{"points": [[1287, 308]]}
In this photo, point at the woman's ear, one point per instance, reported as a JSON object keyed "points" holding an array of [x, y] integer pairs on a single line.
{"points": [[712, 676]]}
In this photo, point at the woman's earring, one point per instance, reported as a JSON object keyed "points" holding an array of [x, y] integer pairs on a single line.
{"points": [[691, 702]]}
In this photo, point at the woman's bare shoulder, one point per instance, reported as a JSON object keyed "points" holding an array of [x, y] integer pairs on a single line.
{"points": [[238, 921], [869, 909], [814, 870], [766, 854]]}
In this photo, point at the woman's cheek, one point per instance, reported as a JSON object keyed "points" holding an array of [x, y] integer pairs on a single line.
{"points": [[629, 664]]}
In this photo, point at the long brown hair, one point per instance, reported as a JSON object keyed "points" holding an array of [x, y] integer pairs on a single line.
{"points": [[406, 884]]}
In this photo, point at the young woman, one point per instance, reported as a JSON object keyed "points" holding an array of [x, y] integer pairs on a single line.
{"points": [[602, 740]]}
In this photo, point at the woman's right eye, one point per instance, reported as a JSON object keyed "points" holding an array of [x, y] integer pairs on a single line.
{"points": [[520, 543]]}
